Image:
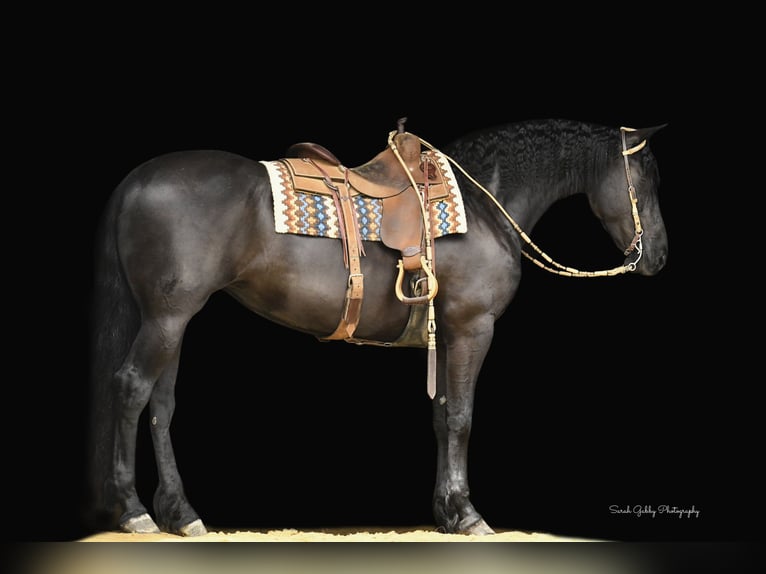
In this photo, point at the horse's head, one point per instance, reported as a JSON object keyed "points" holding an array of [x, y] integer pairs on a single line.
{"points": [[628, 206]]}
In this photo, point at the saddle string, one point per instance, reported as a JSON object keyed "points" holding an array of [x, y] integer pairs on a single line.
{"points": [[559, 268]]}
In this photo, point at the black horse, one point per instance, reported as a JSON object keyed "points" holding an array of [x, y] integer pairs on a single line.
{"points": [[185, 225]]}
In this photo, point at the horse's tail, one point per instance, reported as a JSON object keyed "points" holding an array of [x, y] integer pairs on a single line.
{"points": [[114, 323]]}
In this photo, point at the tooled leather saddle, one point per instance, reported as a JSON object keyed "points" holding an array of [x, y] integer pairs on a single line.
{"points": [[406, 224]]}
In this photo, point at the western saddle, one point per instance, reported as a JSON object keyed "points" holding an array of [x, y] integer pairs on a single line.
{"points": [[405, 180]]}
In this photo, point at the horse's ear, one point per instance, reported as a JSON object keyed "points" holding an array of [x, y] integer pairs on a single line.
{"points": [[636, 136]]}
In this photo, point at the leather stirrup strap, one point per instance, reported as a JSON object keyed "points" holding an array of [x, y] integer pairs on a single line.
{"points": [[352, 307]]}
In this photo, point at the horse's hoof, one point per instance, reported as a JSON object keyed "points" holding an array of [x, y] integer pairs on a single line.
{"points": [[479, 528], [196, 528], [142, 524]]}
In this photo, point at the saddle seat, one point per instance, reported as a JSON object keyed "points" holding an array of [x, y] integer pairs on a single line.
{"points": [[382, 176]]}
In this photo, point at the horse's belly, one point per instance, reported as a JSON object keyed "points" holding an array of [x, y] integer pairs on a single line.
{"points": [[315, 304]]}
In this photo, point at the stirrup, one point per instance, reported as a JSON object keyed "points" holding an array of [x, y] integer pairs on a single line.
{"points": [[433, 285]]}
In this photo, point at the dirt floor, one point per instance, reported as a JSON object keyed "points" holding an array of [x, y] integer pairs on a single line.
{"points": [[366, 534], [115, 558]]}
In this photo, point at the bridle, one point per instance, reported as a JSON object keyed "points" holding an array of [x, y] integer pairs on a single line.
{"points": [[635, 244]]}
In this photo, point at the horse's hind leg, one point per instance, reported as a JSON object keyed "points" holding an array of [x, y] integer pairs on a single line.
{"points": [[152, 360], [173, 511]]}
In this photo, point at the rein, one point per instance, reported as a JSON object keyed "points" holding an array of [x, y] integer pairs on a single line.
{"points": [[635, 244], [426, 262]]}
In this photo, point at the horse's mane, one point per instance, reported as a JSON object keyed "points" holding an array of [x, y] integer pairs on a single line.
{"points": [[540, 156]]}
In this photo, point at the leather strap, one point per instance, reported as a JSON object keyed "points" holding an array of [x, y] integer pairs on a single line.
{"points": [[352, 307]]}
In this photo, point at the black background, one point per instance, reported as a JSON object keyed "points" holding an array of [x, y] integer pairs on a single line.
{"points": [[597, 392]]}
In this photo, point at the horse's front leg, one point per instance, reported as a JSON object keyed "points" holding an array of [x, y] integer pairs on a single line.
{"points": [[458, 364], [174, 512]]}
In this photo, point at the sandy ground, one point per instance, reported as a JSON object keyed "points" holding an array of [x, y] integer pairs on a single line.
{"points": [[114, 558], [366, 534]]}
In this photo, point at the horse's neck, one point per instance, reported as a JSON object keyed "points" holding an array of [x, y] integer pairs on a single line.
{"points": [[528, 203]]}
